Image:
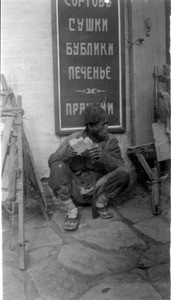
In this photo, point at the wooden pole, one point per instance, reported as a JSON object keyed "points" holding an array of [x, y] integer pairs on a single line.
{"points": [[20, 198], [8, 92], [131, 73], [3, 82], [5, 139], [155, 192], [156, 94], [13, 165]]}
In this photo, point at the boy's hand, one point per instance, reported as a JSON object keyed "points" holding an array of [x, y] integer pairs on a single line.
{"points": [[70, 152], [95, 152]]}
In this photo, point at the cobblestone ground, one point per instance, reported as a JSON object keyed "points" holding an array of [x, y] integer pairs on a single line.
{"points": [[124, 258]]}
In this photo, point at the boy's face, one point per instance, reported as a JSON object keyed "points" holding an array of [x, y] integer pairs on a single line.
{"points": [[99, 130]]}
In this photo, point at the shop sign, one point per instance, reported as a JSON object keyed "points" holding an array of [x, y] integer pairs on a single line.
{"points": [[88, 57]]}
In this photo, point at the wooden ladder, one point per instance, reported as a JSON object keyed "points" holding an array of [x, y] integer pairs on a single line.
{"points": [[14, 146]]}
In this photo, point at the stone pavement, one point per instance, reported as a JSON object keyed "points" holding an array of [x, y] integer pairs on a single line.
{"points": [[123, 258]]}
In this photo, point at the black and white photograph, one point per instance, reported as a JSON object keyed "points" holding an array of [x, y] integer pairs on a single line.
{"points": [[85, 150]]}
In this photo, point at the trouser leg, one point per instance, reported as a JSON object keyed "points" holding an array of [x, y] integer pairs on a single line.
{"points": [[60, 181], [112, 185]]}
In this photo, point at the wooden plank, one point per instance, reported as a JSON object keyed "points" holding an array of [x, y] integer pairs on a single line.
{"points": [[144, 165], [161, 140], [146, 55], [140, 149], [140, 81]]}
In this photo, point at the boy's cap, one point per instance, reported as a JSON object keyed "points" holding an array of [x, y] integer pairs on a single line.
{"points": [[93, 114]]}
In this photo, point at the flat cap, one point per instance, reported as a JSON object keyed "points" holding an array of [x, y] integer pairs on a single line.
{"points": [[94, 113]]}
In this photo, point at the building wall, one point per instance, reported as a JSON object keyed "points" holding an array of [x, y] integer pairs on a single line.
{"points": [[28, 69], [148, 23]]}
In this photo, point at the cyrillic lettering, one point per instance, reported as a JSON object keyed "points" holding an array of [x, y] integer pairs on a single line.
{"points": [[101, 3], [107, 72], [80, 24], [96, 73], [77, 70], [102, 73], [82, 108], [89, 73], [104, 24], [75, 108], [68, 109], [66, 2], [68, 49], [89, 24], [83, 71], [83, 49], [71, 72], [110, 49], [110, 108], [103, 49], [71, 20], [89, 49], [95, 3], [76, 49], [108, 4], [96, 48], [74, 2], [97, 25]]}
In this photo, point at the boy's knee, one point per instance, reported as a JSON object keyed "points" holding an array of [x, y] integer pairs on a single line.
{"points": [[60, 165], [60, 174], [124, 175], [62, 169]]}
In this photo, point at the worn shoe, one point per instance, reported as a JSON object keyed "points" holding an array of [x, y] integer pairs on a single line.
{"points": [[72, 221], [104, 213]]}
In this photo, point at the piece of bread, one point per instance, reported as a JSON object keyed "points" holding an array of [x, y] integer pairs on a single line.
{"points": [[81, 145]]}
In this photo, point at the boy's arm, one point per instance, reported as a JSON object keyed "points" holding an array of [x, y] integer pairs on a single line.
{"points": [[111, 156], [61, 153]]}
